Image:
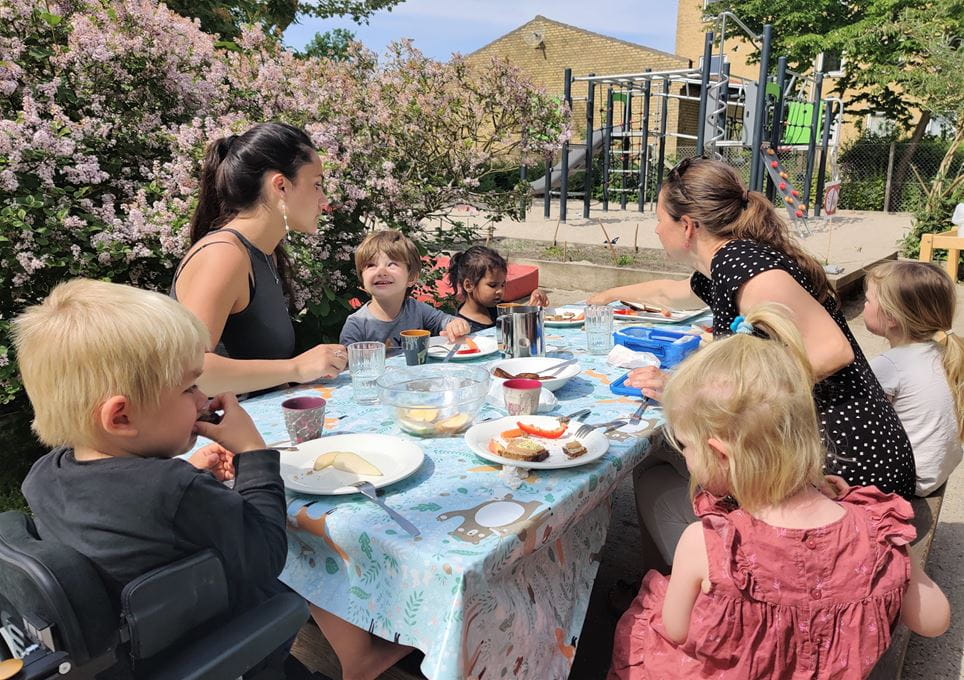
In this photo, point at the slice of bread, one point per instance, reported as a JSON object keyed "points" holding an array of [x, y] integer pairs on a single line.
{"points": [[525, 449], [574, 449]]}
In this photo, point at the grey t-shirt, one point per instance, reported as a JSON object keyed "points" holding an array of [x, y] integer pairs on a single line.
{"points": [[362, 326]]}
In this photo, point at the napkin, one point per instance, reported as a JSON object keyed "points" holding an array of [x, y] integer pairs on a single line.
{"points": [[622, 356], [495, 398]]}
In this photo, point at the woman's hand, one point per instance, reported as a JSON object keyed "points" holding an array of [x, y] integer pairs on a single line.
{"points": [[650, 380], [321, 361], [603, 297], [216, 459], [538, 298], [236, 431], [455, 329]]}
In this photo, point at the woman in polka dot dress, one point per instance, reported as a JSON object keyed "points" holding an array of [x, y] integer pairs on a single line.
{"points": [[744, 255]]}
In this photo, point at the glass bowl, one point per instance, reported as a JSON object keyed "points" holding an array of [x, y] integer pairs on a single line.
{"points": [[434, 400]]}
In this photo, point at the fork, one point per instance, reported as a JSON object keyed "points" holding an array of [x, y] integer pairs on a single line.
{"points": [[637, 416], [371, 493], [587, 428]]}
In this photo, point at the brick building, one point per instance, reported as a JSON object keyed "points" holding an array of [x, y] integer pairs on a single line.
{"points": [[544, 48]]}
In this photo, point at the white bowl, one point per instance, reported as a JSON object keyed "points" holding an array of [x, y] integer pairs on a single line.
{"points": [[537, 365]]}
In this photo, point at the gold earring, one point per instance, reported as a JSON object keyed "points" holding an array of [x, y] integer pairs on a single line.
{"points": [[284, 215]]}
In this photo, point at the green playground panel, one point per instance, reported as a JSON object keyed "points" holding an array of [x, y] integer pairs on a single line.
{"points": [[797, 127], [799, 115]]}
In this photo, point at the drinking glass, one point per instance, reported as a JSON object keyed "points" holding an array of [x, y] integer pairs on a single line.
{"points": [[599, 329], [366, 363]]}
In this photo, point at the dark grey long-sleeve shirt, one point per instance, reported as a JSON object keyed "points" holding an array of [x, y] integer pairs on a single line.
{"points": [[132, 515]]}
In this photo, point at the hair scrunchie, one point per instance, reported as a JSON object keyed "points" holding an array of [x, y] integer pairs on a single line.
{"points": [[741, 325]]}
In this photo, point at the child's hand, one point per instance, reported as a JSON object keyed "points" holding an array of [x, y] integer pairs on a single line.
{"points": [[216, 459], [834, 487], [236, 431], [650, 380], [538, 298], [456, 329]]}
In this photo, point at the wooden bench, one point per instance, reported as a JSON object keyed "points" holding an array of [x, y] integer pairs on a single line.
{"points": [[926, 513], [949, 241]]}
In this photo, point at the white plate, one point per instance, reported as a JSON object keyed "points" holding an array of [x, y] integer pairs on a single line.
{"points": [[675, 315], [537, 365], [438, 347], [479, 436], [397, 458], [562, 310]]}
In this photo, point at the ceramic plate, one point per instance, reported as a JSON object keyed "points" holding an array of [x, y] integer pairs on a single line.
{"points": [[479, 436], [438, 347], [558, 311], [397, 458], [537, 365], [675, 315]]}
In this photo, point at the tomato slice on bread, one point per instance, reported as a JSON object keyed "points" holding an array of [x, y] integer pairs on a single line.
{"points": [[471, 347]]}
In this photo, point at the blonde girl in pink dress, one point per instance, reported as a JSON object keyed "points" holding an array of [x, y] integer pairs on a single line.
{"points": [[777, 579]]}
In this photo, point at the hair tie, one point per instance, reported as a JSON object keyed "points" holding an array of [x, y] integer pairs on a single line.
{"points": [[941, 336], [745, 198], [741, 325]]}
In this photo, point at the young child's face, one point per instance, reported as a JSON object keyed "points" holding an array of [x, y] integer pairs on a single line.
{"points": [[386, 279], [487, 292], [169, 429], [875, 320]]}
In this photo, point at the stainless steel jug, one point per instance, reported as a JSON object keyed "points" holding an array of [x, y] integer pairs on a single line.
{"points": [[520, 332]]}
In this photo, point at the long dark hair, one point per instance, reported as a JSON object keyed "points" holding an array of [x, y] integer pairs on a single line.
{"points": [[712, 193], [471, 265], [232, 172]]}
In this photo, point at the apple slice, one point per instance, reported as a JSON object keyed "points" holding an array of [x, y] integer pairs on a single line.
{"points": [[325, 460], [346, 461]]}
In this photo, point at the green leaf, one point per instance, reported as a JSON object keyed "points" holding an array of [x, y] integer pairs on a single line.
{"points": [[359, 593], [330, 565], [228, 45], [427, 507], [51, 19], [366, 544]]}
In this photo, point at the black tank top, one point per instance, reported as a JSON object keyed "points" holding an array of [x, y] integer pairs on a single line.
{"points": [[263, 329]]}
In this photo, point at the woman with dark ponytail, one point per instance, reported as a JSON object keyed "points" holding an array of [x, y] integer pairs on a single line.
{"points": [[254, 188], [744, 256]]}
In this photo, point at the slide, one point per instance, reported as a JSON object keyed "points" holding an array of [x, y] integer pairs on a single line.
{"points": [[577, 161]]}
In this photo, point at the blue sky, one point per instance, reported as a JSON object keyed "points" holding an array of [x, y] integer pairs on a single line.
{"points": [[440, 27]]}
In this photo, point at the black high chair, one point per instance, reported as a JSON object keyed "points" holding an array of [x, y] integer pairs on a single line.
{"points": [[171, 623]]}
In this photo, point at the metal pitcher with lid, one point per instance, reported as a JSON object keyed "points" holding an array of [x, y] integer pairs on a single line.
{"points": [[520, 332]]}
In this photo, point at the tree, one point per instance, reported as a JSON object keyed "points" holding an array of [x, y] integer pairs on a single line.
{"points": [[871, 37], [334, 44], [274, 16]]}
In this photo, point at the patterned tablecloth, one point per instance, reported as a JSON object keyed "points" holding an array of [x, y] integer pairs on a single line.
{"points": [[498, 583]]}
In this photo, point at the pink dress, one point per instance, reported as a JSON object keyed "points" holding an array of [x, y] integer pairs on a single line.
{"points": [[783, 603]]}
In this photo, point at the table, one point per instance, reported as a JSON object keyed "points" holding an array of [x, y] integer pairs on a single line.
{"points": [[499, 581]]}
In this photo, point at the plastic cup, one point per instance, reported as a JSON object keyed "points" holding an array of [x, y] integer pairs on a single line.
{"points": [[599, 329], [415, 346], [366, 363], [521, 396], [304, 418]]}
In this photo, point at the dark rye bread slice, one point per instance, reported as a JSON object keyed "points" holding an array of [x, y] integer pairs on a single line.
{"points": [[524, 449]]}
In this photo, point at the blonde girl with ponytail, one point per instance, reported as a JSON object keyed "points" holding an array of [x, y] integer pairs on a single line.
{"points": [[911, 304], [774, 564]]}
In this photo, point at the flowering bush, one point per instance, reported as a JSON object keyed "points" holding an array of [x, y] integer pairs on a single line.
{"points": [[107, 106]]}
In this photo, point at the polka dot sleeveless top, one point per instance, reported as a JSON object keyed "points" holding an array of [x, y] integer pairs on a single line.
{"points": [[865, 439]]}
